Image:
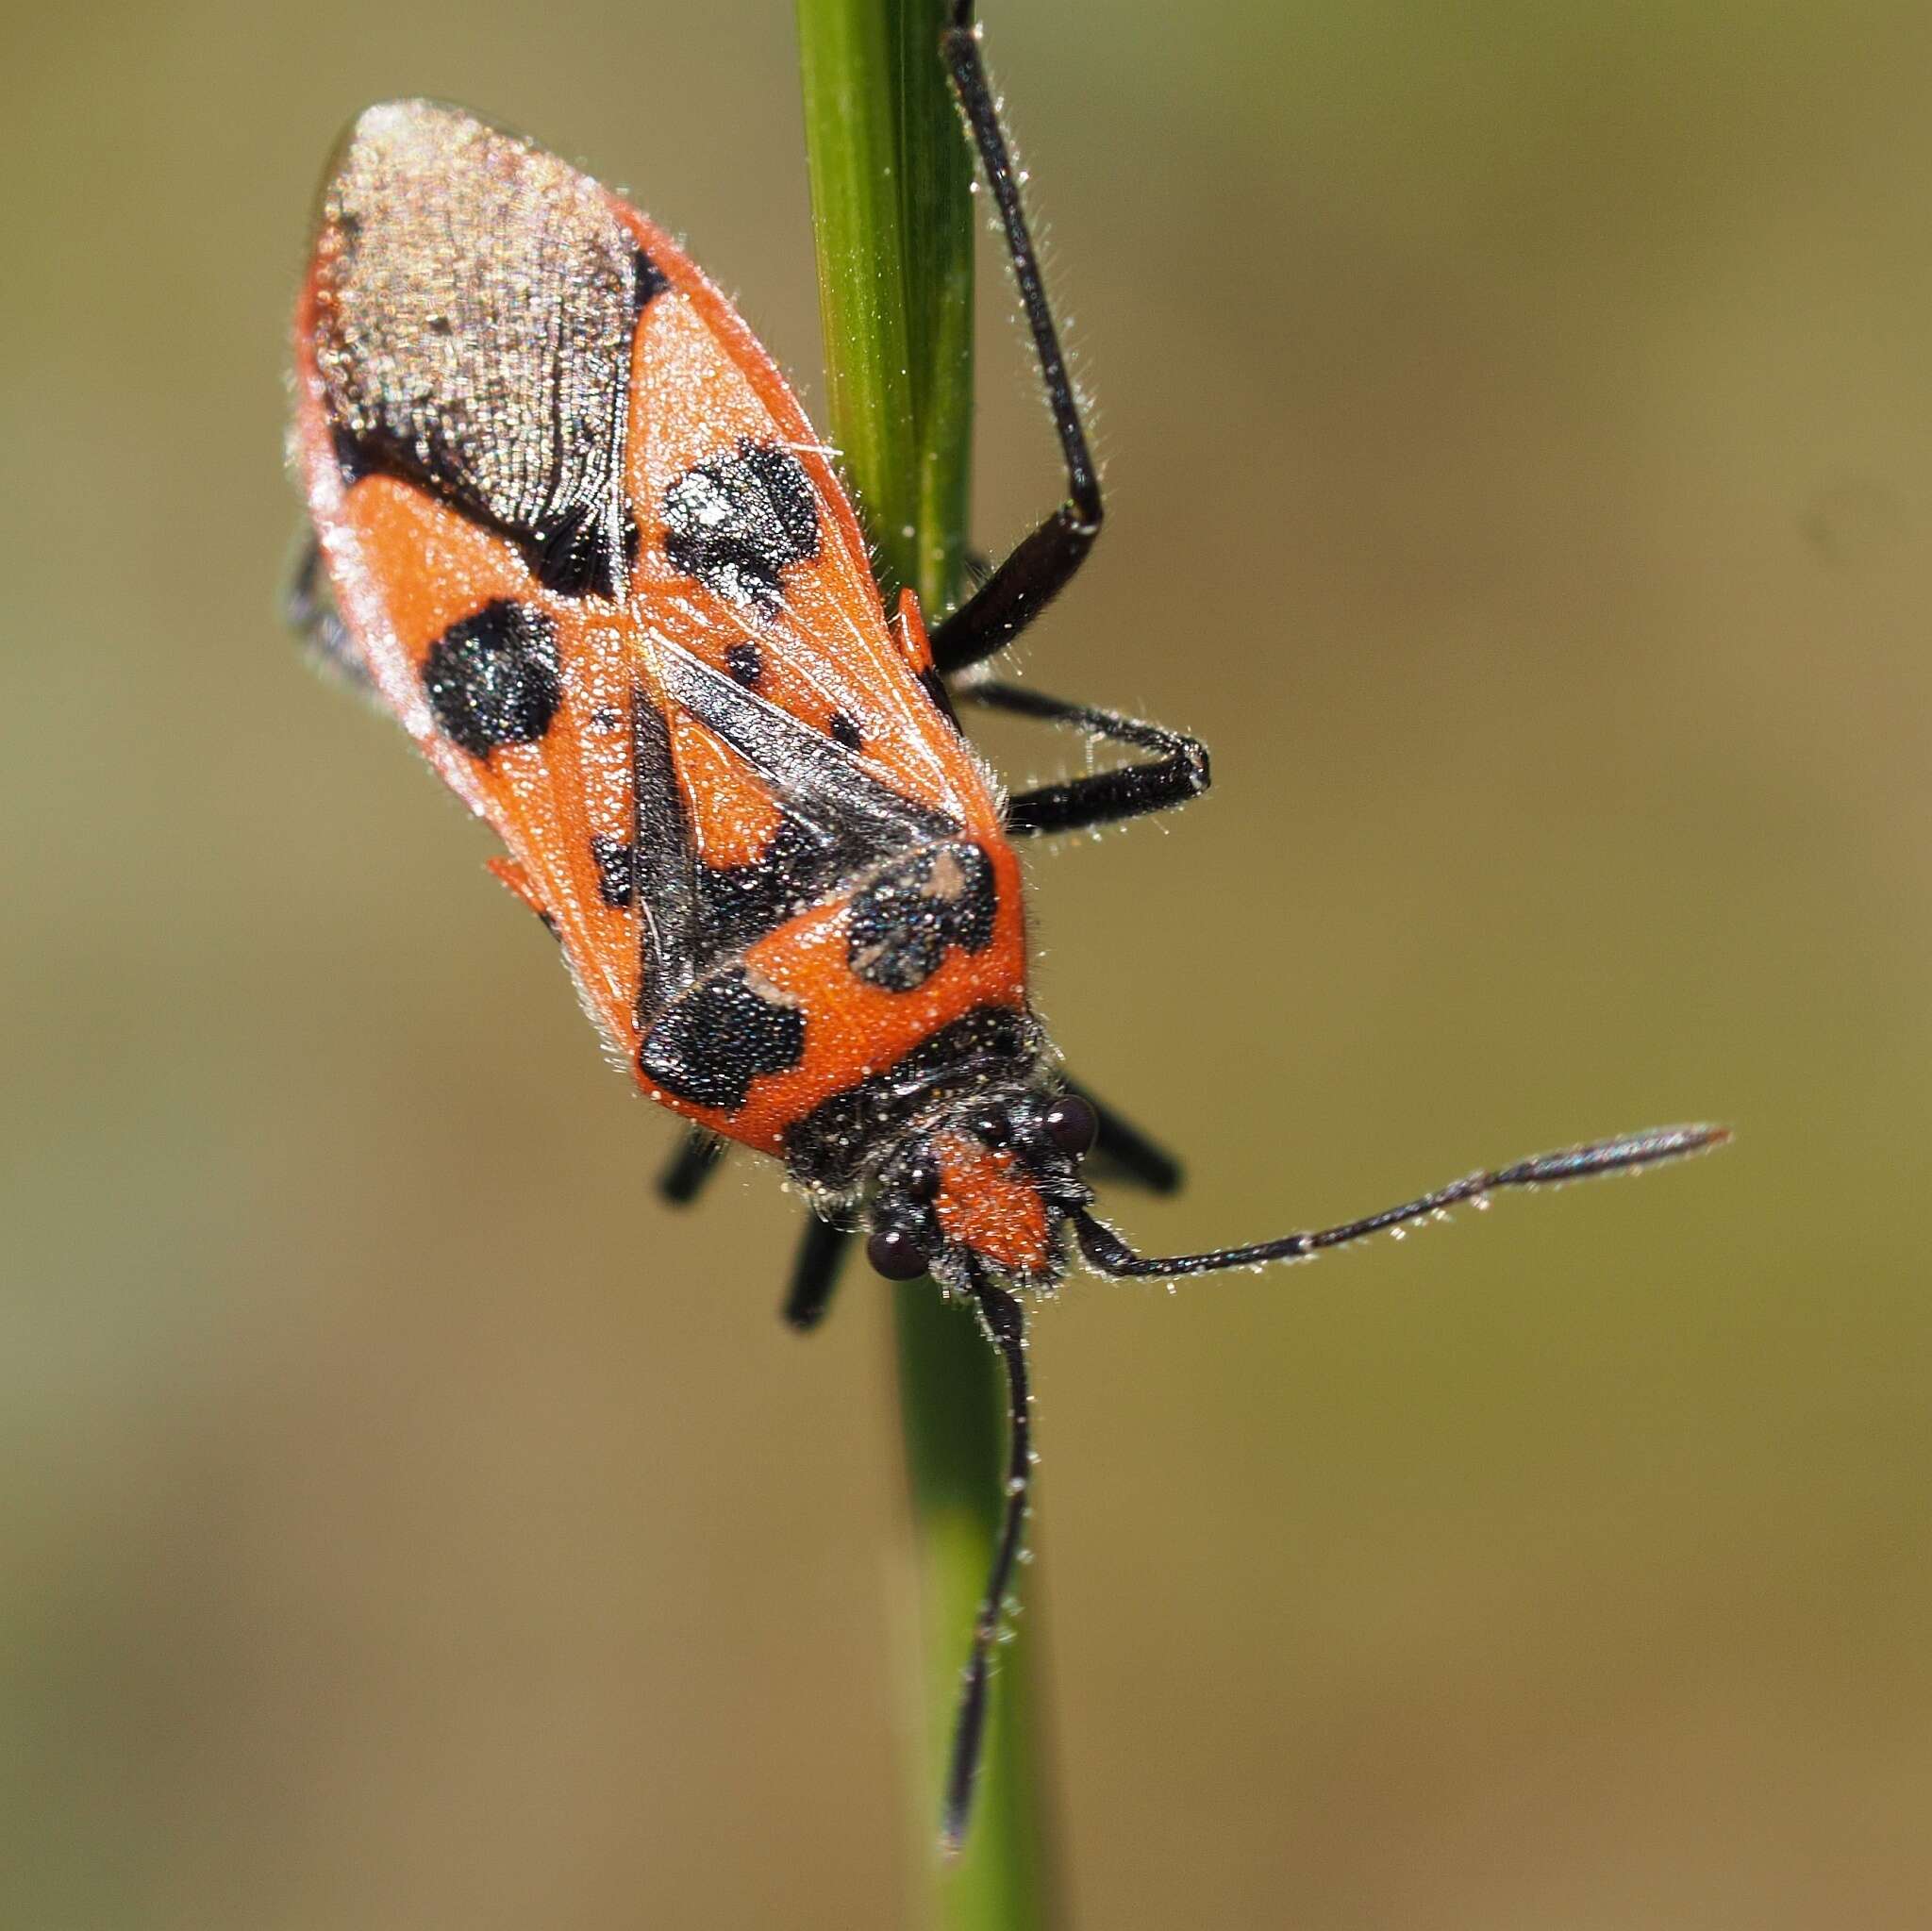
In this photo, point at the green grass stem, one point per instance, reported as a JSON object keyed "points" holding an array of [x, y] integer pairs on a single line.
{"points": [[890, 174]]}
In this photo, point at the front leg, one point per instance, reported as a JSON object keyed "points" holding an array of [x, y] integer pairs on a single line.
{"points": [[1009, 599]]}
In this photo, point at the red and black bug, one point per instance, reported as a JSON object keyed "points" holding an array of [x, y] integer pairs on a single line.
{"points": [[578, 536]]}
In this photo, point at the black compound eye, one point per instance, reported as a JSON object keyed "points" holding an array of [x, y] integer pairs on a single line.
{"points": [[922, 1181], [896, 1255], [991, 1126], [1071, 1125]]}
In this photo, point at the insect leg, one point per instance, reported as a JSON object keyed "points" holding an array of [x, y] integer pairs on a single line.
{"points": [[815, 1273], [1177, 771], [693, 1163], [1005, 1322], [1009, 598], [1123, 1145], [310, 613]]}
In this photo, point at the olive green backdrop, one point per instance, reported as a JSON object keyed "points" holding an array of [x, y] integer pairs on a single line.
{"points": [[1518, 421]]}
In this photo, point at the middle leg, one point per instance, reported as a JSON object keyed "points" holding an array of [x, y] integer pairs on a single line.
{"points": [[1176, 771], [687, 1170]]}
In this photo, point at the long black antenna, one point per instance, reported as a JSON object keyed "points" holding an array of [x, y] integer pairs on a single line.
{"points": [[1006, 1326], [1106, 1250]]}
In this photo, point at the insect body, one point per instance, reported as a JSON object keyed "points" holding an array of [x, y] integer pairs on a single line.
{"points": [[580, 539]]}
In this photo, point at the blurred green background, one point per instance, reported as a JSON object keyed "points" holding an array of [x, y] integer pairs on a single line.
{"points": [[1519, 423]]}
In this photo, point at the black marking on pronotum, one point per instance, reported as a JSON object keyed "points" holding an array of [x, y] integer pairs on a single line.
{"points": [[709, 1046], [735, 521], [991, 1045], [746, 664], [845, 732], [904, 921], [616, 861], [493, 679]]}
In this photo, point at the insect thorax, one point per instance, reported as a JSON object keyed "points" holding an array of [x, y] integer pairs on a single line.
{"points": [[844, 1140]]}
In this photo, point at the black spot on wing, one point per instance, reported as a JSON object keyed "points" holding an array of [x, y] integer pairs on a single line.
{"points": [[845, 732], [903, 922], [746, 664], [735, 521], [615, 861], [493, 679], [710, 1044]]}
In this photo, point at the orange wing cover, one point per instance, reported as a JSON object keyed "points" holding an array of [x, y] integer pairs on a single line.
{"points": [[592, 557]]}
